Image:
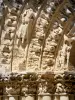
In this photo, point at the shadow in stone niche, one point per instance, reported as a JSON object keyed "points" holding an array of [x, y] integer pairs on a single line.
{"points": [[22, 44], [72, 57], [22, 66]]}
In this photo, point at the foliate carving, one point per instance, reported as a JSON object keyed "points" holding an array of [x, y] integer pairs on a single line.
{"points": [[10, 90], [50, 62], [60, 88], [24, 90], [69, 78], [42, 88], [64, 54], [31, 83], [46, 83]]}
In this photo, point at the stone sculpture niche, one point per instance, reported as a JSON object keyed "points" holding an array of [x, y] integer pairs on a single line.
{"points": [[24, 32], [64, 53], [72, 57]]}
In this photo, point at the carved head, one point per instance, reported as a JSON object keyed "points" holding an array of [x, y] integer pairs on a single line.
{"points": [[60, 88]]}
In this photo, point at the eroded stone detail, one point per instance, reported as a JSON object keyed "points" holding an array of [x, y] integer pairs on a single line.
{"points": [[31, 84], [36, 38]]}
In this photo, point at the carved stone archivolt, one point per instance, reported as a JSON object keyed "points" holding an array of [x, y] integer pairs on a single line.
{"points": [[36, 35], [36, 40]]}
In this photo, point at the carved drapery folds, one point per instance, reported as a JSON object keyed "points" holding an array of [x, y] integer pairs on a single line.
{"points": [[64, 53]]}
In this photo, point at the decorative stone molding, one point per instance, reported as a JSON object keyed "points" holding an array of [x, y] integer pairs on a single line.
{"points": [[31, 83], [36, 38]]}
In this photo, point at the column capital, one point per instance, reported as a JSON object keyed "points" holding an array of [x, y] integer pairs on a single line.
{"points": [[39, 83], [46, 83]]}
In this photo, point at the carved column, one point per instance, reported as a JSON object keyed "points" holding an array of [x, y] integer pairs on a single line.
{"points": [[13, 97], [44, 97], [23, 92], [23, 98], [30, 93], [39, 97], [5, 98], [72, 97], [64, 97], [0, 97], [47, 97], [57, 97], [69, 80], [46, 86], [12, 93], [31, 97]]}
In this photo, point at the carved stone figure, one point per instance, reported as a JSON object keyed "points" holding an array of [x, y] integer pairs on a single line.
{"points": [[42, 88], [22, 31], [60, 88], [62, 56], [64, 53], [36, 39], [26, 27]]}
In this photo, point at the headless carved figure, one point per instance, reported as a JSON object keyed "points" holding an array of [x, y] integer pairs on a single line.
{"points": [[22, 31], [30, 27], [26, 28], [65, 54], [62, 54]]}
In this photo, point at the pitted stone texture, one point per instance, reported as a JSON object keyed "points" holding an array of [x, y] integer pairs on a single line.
{"points": [[36, 35]]}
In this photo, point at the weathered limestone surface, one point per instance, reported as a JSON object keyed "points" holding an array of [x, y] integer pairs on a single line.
{"points": [[37, 42], [30, 86], [36, 35]]}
